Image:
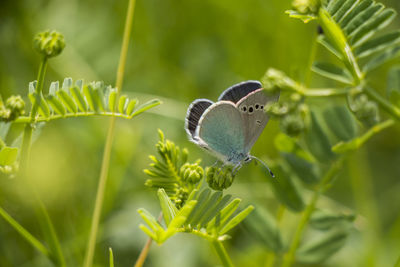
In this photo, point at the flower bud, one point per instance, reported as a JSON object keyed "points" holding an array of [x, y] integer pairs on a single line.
{"points": [[219, 178], [306, 6], [366, 111], [273, 80], [16, 106], [276, 109], [192, 173], [49, 44], [292, 124], [180, 197]]}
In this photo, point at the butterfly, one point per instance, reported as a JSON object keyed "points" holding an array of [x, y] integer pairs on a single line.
{"points": [[229, 127]]}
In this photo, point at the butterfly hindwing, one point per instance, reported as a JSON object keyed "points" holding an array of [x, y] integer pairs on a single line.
{"points": [[193, 115], [220, 130], [240, 90]]}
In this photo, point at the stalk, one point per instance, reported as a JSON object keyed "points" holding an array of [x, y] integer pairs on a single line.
{"points": [[327, 179], [109, 141], [222, 254]]}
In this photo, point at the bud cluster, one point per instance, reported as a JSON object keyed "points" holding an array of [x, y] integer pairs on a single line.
{"points": [[49, 43], [13, 108], [219, 178], [191, 173], [365, 110], [306, 6]]}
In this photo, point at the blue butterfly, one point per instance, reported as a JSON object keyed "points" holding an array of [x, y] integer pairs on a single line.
{"points": [[229, 128]]}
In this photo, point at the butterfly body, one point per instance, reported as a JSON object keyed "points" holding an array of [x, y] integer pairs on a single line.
{"points": [[229, 127]]}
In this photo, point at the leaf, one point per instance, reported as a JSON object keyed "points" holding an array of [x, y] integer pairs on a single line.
{"points": [[343, 9], [340, 121], [303, 169], [111, 257], [225, 213], [325, 42], [286, 190], [180, 219], [145, 106], [111, 100], [370, 27], [303, 17], [378, 44], [213, 211], [317, 141], [168, 208], [79, 98], [67, 83], [131, 106], [285, 143], [393, 85], [320, 249], [88, 92], [67, 100], [8, 155], [122, 103], [262, 226], [358, 9], [381, 58], [324, 220], [332, 71], [360, 18], [202, 201], [236, 220], [151, 221], [56, 105]]}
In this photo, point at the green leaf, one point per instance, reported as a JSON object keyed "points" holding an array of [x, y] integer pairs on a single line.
{"points": [[324, 220], [262, 226], [325, 42], [381, 58], [374, 24], [303, 169], [122, 103], [111, 258], [362, 17], [98, 96], [151, 221], [354, 12], [393, 85], [67, 83], [131, 106], [67, 100], [202, 201], [236, 220], [378, 44], [317, 141], [225, 213], [145, 106], [286, 190], [168, 208], [111, 100], [44, 108], [54, 87], [180, 219], [88, 92], [334, 6], [213, 211], [320, 249], [8, 155], [332, 71], [340, 121], [343, 9], [56, 105], [285, 143], [303, 17], [79, 98]]}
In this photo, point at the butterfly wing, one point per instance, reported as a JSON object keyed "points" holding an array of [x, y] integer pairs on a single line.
{"points": [[193, 115], [221, 131], [253, 115], [238, 91]]}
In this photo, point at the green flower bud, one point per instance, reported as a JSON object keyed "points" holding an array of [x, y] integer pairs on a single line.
{"points": [[192, 173], [273, 80], [180, 197], [306, 6], [292, 124], [49, 44], [276, 109], [16, 106], [219, 179], [366, 111]]}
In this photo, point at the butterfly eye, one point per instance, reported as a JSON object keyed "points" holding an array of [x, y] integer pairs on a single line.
{"points": [[251, 109], [257, 106]]}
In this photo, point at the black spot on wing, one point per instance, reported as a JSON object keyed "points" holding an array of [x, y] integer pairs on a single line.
{"points": [[240, 90], [194, 112]]}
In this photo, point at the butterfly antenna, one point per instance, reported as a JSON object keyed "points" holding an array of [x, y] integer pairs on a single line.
{"points": [[265, 165]]}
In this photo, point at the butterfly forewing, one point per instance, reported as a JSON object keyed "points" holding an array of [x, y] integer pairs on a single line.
{"points": [[220, 130], [195, 110]]}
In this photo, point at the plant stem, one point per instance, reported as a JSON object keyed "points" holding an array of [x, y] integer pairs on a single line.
{"points": [[24, 233], [27, 138], [397, 264], [323, 185], [386, 105], [222, 254], [109, 141]]}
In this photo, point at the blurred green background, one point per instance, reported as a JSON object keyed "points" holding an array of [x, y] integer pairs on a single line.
{"points": [[180, 51]]}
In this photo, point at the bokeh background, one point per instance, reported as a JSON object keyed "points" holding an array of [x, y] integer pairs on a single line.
{"points": [[180, 51]]}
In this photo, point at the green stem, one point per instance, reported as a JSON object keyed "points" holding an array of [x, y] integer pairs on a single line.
{"points": [[386, 105], [311, 58], [397, 264], [27, 138], [326, 92], [324, 184], [109, 141], [222, 254], [24, 233]]}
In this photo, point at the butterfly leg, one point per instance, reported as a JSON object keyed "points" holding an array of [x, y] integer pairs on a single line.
{"points": [[236, 168]]}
